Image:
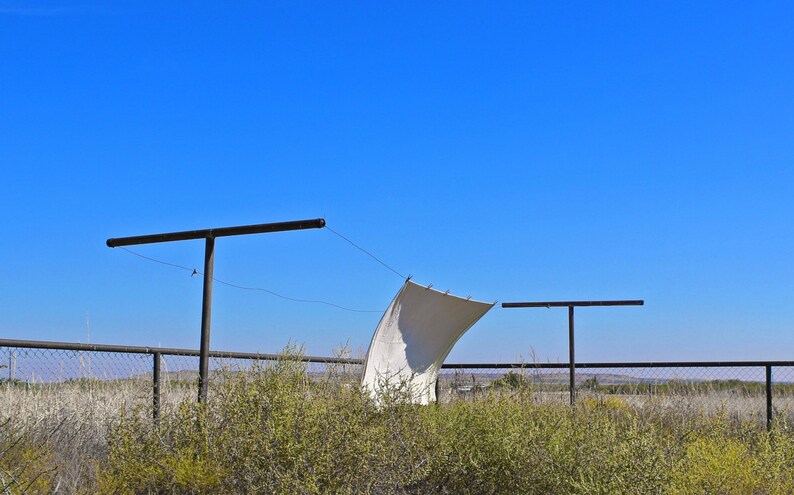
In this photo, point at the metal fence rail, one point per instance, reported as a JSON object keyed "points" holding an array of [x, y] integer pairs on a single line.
{"points": [[114, 376]]}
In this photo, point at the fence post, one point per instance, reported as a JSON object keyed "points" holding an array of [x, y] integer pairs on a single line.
{"points": [[156, 387], [571, 359], [768, 397]]}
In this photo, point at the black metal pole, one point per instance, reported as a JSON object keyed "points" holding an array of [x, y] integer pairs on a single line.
{"points": [[172, 351], [768, 397], [571, 358], [562, 304], [206, 315], [156, 387], [262, 228]]}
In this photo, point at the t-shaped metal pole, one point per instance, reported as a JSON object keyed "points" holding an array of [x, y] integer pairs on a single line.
{"points": [[209, 236], [570, 305]]}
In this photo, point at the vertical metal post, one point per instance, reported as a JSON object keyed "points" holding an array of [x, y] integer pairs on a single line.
{"points": [[768, 397], [156, 387], [206, 315], [572, 361]]}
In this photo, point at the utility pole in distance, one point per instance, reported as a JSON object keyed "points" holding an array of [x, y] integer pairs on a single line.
{"points": [[209, 236], [570, 305]]}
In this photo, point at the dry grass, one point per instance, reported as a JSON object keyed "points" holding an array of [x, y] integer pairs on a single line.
{"points": [[75, 417]]}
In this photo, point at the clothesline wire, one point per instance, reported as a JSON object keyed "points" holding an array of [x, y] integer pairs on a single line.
{"points": [[365, 252], [194, 271], [158, 261]]}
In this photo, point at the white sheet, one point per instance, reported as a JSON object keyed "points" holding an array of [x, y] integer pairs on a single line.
{"points": [[414, 337]]}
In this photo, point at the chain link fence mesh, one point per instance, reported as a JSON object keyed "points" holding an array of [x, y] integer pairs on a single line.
{"points": [[52, 385], [179, 374], [736, 391], [38, 384], [783, 393]]}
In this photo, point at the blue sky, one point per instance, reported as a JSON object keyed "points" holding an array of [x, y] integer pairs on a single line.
{"points": [[508, 151]]}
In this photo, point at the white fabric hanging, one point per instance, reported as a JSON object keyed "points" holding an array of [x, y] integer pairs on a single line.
{"points": [[414, 337]]}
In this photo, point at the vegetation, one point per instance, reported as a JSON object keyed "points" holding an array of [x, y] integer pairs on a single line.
{"points": [[26, 466], [678, 387], [682, 387], [278, 429]]}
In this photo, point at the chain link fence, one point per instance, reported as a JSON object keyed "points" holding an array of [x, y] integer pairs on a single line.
{"points": [[738, 390], [49, 386], [48, 383], [60, 380], [179, 373]]}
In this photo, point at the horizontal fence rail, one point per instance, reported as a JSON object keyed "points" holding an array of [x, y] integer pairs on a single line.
{"points": [[172, 351], [757, 390]]}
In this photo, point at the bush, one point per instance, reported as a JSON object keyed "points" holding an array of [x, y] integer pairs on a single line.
{"points": [[723, 459], [280, 430], [26, 466]]}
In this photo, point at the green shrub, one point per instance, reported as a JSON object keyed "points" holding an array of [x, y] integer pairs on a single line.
{"points": [[279, 430], [721, 458], [26, 465]]}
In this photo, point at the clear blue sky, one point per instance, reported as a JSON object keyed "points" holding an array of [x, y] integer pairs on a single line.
{"points": [[510, 151]]}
